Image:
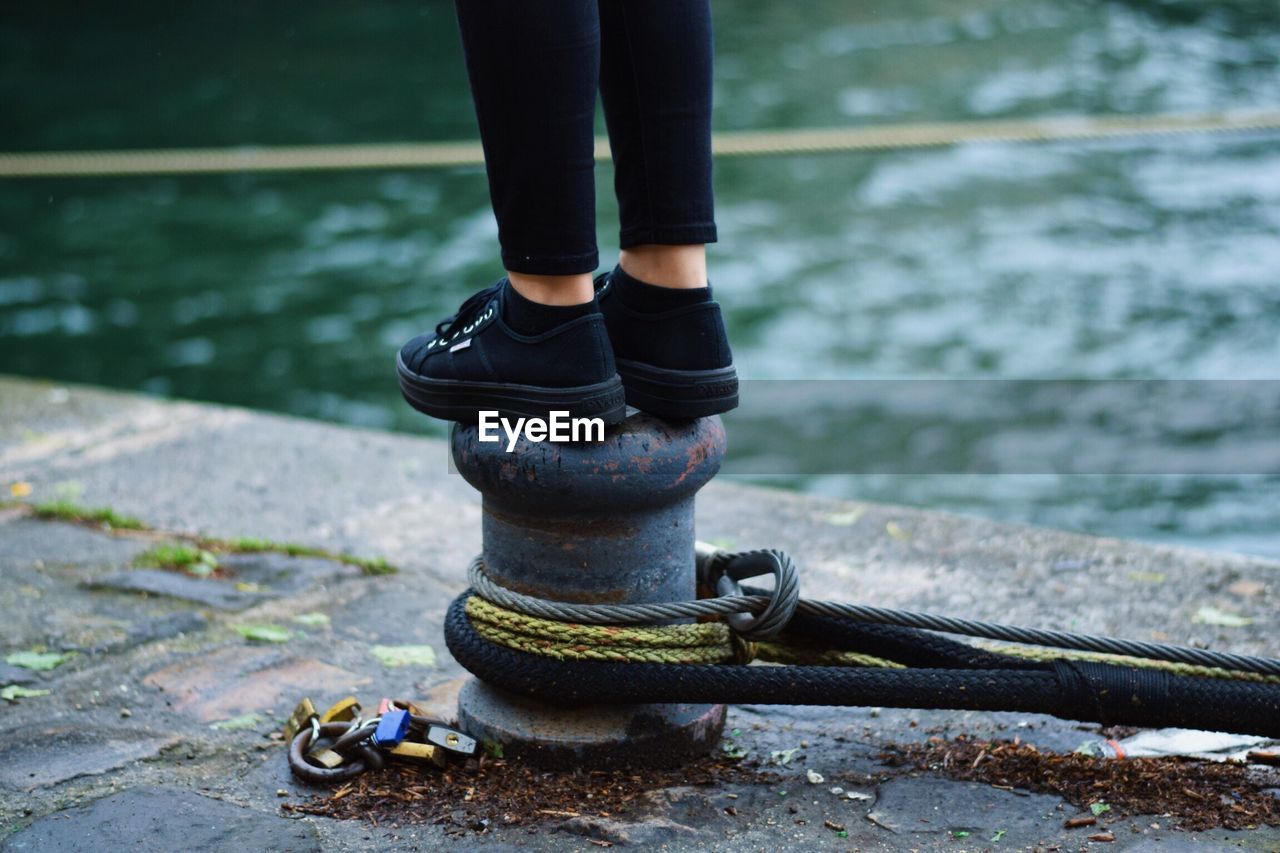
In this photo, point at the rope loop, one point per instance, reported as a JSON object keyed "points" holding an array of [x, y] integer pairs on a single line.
{"points": [[744, 651], [725, 571]]}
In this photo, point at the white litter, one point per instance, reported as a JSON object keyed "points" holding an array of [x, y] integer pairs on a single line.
{"points": [[1191, 743]]}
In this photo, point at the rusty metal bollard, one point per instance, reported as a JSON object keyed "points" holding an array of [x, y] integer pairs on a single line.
{"points": [[608, 522]]}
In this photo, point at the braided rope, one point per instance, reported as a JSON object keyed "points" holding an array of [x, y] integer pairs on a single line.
{"points": [[803, 655], [665, 636], [1046, 654], [710, 642], [704, 643], [1089, 691], [753, 602], [1045, 637]]}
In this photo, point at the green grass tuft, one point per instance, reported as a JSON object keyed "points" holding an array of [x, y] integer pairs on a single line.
{"points": [[68, 511], [369, 565], [167, 556], [197, 557], [175, 555], [247, 545]]}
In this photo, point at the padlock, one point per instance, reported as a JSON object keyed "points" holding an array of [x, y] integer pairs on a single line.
{"points": [[452, 740], [300, 718], [391, 729], [406, 705], [422, 753], [325, 757], [341, 711], [320, 751]]}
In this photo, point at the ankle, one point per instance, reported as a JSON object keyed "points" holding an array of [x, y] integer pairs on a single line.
{"points": [[666, 266], [527, 317], [651, 299], [553, 289]]}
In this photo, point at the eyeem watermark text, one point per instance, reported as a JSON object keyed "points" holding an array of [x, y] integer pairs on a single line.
{"points": [[558, 427]]}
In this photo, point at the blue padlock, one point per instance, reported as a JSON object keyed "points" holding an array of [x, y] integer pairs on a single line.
{"points": [[392, 728]]}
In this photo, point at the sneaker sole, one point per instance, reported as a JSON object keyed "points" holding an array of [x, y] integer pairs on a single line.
{"points": [[454, 400], [679, 394]]}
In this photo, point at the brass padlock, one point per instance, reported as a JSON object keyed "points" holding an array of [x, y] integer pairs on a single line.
{"points": [[406, 705], [325, 757], [422, 753], [300, 719], [342, 711]]}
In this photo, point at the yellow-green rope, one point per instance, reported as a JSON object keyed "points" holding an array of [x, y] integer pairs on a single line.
{"points": [[713, 642], [747, 143], [803, 655], [708, 642], [1043, 653], [701, 643]]}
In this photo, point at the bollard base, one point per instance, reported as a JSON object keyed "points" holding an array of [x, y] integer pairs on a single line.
{"points": [[596, 737]]}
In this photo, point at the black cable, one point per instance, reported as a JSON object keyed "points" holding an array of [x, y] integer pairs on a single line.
{"points": [[907, 646], [785, 599], [1100, 693]]}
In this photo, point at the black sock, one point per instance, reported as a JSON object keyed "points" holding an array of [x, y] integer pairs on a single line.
{"points": [[527, 317], [652, 299]]}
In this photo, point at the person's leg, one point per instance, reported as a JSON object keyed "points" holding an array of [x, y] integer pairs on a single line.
{"points": [[668, 336], [534, 70], [655, 81], [536, 341], [681, 266]]}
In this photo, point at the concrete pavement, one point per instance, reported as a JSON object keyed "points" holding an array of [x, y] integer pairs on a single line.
{"points": [[155, 732]]}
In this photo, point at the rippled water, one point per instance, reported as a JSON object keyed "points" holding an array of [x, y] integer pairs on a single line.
{"points": [[1151, 257]]}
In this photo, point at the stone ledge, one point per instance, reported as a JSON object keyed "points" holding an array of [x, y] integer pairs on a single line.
{"points": [[157, 671]]}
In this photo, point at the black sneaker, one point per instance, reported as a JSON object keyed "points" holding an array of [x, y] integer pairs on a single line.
{"points": [[474, 361], [674, 363]]}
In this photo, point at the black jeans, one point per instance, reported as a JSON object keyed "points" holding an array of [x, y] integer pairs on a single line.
{"points": [[534, 67]]}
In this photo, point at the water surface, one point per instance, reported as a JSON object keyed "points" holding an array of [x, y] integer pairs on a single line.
{"points": [[1144, 258]]}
